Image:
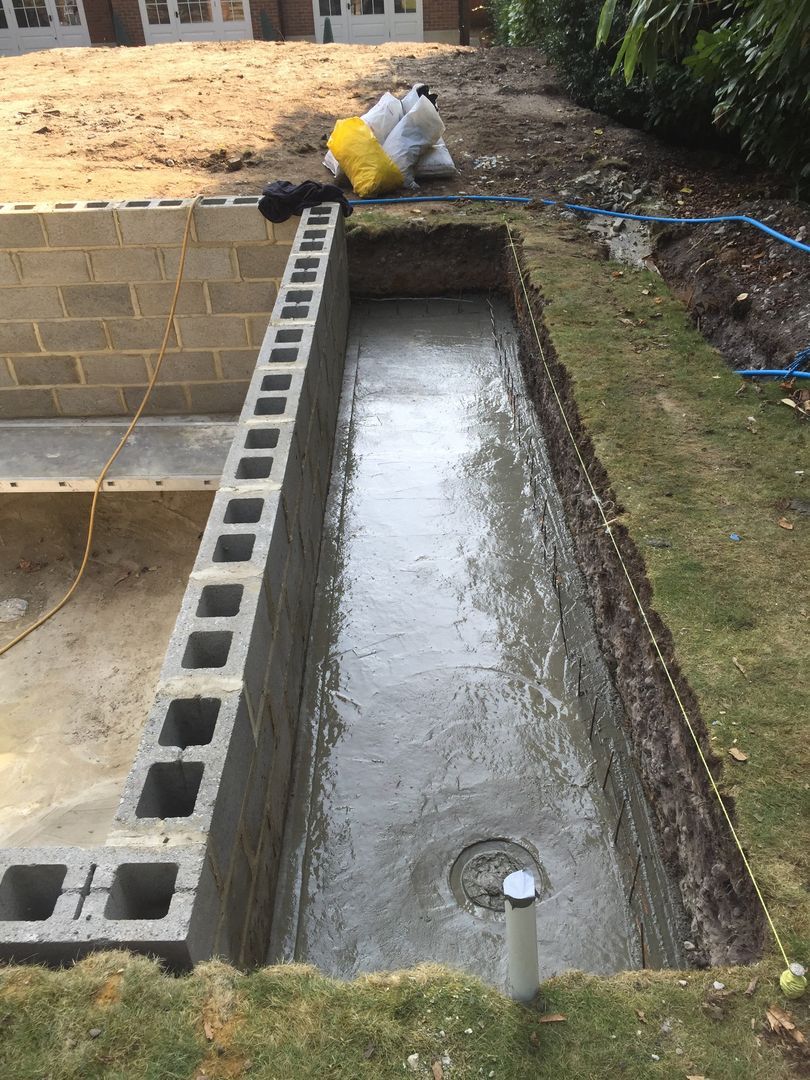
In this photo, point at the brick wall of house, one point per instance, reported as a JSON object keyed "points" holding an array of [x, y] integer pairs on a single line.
{"points": [[297, 18], [85, 290], [271, 9], [289, 18], [440, 14], [128, 14], [99, 21]]}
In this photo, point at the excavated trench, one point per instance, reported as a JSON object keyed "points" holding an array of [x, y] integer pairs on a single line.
{"points": [[419, 796]]}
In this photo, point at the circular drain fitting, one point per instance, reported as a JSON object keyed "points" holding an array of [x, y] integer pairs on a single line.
{"points": [[476, 876]]}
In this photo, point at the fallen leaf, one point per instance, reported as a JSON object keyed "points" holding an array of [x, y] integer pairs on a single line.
{"points": [[785, 524], [739, 666], [787, 401], [781, 1023], [737, 754], [598, 131], [551, 1018], [209, 1031], [29, 567], [438, 1071], [533, 1039], [686, 190], [641, 1016], [692, 1076], [749, 990], [778, 1018]]}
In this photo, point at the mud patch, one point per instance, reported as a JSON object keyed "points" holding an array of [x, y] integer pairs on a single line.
{"points": [[74, 695]]}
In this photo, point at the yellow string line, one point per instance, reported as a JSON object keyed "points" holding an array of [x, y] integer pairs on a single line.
{"points": [[91, 524], [609, 531]]}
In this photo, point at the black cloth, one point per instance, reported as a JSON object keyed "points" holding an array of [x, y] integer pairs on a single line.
{"points": [[281, 199]]}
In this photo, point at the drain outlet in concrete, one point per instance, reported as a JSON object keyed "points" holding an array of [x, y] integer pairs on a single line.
{"points": [[476, 877]]}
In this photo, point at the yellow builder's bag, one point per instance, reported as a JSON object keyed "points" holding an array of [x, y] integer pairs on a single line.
{"points": [[369, 169]]}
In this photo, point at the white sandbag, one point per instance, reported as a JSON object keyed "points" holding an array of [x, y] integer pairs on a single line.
{"points": [[410, 99], [418, 130], [436, 163], [382, 118]]}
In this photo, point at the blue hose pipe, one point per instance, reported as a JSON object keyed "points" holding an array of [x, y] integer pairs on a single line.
{"points": [[772, 373], [797, 244]]}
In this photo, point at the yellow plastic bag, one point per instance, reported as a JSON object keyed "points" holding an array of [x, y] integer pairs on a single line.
{"points": [[369, 169]]}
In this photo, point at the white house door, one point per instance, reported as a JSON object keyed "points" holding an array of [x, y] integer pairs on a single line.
{"points": [[369, 22], [27, 25], [195, 20]]}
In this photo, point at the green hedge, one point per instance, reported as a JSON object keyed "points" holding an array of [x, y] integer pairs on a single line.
{"points": [[729, 71]]}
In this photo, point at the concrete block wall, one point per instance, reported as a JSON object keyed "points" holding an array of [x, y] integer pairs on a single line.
{"points": [[85, 289], [191, 863]]}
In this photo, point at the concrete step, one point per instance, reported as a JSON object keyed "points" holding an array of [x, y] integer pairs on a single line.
{"points": [[172, 453]]}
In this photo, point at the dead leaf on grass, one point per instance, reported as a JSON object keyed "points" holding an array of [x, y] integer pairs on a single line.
{"points": [[785, 524], [641, 1016], [749, 990], [739, 666], [551, 1018], [438, 1071], [208, 1029], [781, 1023], [533, 1039], [737, 754]]}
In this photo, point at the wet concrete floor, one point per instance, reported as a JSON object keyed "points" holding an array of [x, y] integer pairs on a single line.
{"points": [[438, 711]]}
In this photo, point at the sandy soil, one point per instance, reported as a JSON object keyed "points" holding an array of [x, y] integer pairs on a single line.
{"points": [[164, 120], [75, 695]]}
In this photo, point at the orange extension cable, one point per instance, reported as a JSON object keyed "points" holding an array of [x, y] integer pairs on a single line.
{"points": [[91, 524]]}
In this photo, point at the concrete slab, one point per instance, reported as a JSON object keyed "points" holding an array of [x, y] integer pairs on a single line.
{"points": [[163, 453], [438, 711]]}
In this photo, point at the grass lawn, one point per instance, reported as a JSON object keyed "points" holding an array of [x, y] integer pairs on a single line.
{"points": [[696, 455], [117, 1016], [693, 460]]}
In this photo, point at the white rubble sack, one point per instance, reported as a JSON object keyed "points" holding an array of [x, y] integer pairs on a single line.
{"points": [[417, 131], [436, 163]]}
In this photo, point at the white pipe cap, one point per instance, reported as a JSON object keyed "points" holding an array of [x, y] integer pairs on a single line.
{"points": [[519, 886]]}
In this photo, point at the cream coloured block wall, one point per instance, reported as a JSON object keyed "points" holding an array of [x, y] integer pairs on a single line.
{"points": [[85, 289]]}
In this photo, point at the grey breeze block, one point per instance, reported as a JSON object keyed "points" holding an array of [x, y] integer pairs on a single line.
{"points": [[190, 865]]}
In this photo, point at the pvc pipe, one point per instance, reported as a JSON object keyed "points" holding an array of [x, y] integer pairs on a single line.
{"points": [[521, 935]]}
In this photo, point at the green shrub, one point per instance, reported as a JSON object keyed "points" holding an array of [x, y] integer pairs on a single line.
{"points": [[751, 56]]}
